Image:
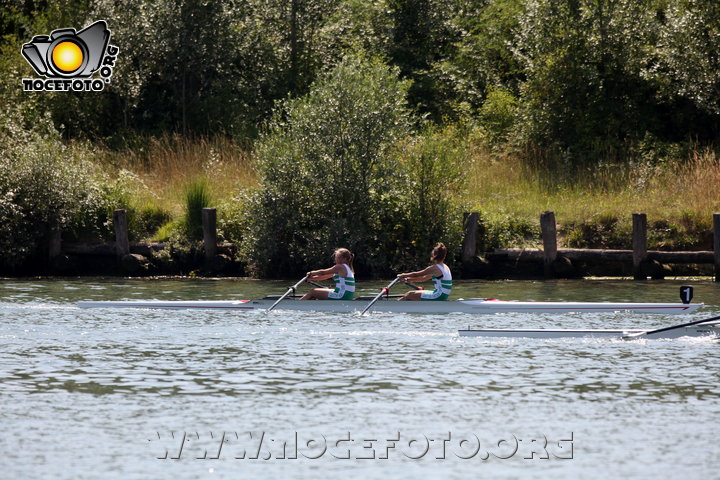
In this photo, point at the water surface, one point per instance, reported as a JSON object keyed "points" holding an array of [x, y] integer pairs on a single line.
{"points": [[104, 393]]}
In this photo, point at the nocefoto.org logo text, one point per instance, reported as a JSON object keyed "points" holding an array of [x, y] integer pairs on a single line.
{"points": [[67, 59]]}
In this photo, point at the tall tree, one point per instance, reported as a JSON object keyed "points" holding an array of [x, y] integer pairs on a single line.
{"points": [[423, 35], [584, 94]]}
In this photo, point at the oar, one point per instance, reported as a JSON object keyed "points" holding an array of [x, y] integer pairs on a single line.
{"points": [[673, 327], [291, 289], [377, 297], [315, 284], [412, 285]]}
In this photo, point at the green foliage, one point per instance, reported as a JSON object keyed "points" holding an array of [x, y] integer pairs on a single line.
{"points": [[423, 36], [234, 218], [355, 25], [482, 59], [505, 231], [44, 181], [583, 95], [325, 179], [665, 235], [197, 197], [605, 231], [497, 114], [432, 164], [144, 222], [688, 53], [335, 173], [352, 156], [180, 66], [166, 231], [143, 219], [581, 81]]}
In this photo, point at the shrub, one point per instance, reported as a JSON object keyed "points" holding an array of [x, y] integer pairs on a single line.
{"points": [[604, 231], [234, 219], [43, 180], [145, 221], [326, 179], [504, 232], [167, 231], [497, 114], [432, 167]]}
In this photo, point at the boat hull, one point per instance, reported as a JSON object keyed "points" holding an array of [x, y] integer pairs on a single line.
{"points": [[691, 331], [474, 306]]}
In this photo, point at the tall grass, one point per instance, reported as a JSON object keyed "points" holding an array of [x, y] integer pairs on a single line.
{"points": [[169, 164], [197, 197], [681, 190], [695, 186], [503, 185]]}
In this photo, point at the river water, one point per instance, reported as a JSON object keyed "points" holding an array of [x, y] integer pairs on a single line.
{"points": [[138, 394]]}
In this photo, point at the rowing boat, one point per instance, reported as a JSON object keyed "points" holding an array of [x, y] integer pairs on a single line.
{"points": [[708, 329], [473, 306]]}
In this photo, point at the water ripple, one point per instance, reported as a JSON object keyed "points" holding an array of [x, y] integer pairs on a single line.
{"points": [[89, 372]]}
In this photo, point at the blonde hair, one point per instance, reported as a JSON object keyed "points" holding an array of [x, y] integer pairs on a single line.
{"points": [[345, 254]]}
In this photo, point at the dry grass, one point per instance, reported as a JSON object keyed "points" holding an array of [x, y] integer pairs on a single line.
{"points": [[501, 185], [169, 164], [696, 186]]}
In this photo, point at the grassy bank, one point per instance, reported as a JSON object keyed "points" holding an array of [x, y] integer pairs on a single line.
{"points": [[593, 207], [162, 169], [157, 178], [679, 195], [678, 188]]}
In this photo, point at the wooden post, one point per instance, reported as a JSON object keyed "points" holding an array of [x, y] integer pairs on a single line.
{"points": [[716, 244], [55, 241], [548, 229], [469, 245], [209, 224], [122, 242], [639, 244]]}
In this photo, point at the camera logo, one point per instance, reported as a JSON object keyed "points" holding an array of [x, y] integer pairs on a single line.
{"points": [[68, 59]]}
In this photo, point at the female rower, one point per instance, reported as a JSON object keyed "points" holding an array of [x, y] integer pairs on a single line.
{"points": [[343, 275], [438, 271]]}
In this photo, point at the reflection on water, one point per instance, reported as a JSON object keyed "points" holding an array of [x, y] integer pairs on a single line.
{"points": [[110, 380]]}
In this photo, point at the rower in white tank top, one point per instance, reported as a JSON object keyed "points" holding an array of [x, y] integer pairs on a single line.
{"points": [[343, 275], [344, 286], [438, 272]]}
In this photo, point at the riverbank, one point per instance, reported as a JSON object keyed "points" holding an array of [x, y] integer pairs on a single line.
{"points": [[164, 184], [675, 187], [161, 260]]}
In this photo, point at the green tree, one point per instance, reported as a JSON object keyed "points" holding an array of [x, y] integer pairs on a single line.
{"points": [[179, 67], [43, 180], [585, 95], [685, 65], [433, 163], [355, 25], [424, 35], [690, 51], [326, 179], [482, 59]]}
